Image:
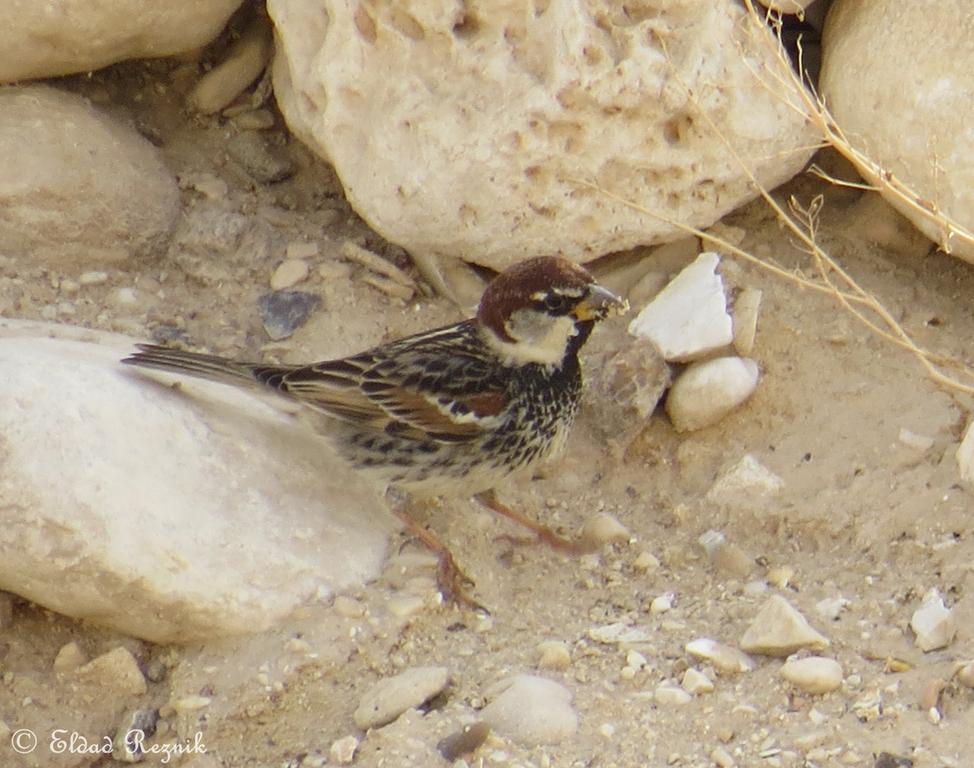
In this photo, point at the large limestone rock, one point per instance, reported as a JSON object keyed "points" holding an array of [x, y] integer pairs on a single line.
{"points": [[463, 130], [162, 514], [77, 188], [899, 80], [44, 39]]}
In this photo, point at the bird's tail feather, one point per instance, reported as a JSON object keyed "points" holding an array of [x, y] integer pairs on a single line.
{"points": [[210, 367]]}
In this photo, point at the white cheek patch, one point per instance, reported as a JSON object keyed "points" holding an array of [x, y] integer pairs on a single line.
{"points": [[538, 338]]}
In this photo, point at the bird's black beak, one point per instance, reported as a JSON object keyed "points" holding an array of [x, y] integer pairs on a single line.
{"points": [[598, 304]]}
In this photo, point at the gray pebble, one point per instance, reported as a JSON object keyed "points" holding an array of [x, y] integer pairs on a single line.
{"points": [[262, 161], [283, 312]]}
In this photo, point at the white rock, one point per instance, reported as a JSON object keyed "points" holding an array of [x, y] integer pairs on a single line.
{"points": [[747, 306], [813, 674], [688, 319], [745, 483], [553, 654], [69, 658], [531, 710], [669, 695], [965, 455], [487, 118], [618, 633], [342, 750], [661, 603], [696, 682], [159, 512], [707, 391], [389, 698], [41, 40], [780, 630], [933, 623], [916, 128], [289, 273], [724, 657], [65, 165], [95, 277]]}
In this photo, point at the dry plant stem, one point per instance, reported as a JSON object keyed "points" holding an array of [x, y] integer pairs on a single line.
{"points": [[811, 106]]}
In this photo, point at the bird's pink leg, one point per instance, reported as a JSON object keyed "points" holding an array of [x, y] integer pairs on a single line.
{"points": [[543, 533], [452, 582]]}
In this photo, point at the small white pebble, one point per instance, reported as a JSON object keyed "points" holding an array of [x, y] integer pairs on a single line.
{"points": [[125, 297], [780, 576], [608, 730], [602, 529], [645, 562], [93, 278], [406, 606], [722, 758], [635, 659], [69, 286], [349, 607], [334, 270], [289, 273], [342, 750], [817, 717], [661, 603], [813, 674], [669, 695], [696, 682], [297, 645], [553, 654], [300, 250], [191, 703], [965, 674]]}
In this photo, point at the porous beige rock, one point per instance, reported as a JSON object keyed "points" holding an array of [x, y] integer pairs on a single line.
{"points": [[917, 126], [39, 39], [78, 188], [464, 130]]}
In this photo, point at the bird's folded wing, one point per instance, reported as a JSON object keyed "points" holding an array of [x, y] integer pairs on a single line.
{"points": [[454, 400]]}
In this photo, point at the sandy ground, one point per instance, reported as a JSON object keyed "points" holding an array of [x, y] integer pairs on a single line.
{"points": [[862, 515]]}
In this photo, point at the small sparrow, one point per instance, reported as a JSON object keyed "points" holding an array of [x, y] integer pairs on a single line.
{"points": [[456, 409]]}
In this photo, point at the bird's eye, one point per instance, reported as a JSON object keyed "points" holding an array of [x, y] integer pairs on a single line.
{"points": [[555, 303]]}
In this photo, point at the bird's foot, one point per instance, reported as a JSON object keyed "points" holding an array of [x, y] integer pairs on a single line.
{"points": [[450, 580], [543, 534]]}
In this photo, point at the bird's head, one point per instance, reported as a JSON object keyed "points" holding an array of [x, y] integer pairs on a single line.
{"points": [[539, 309]]}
